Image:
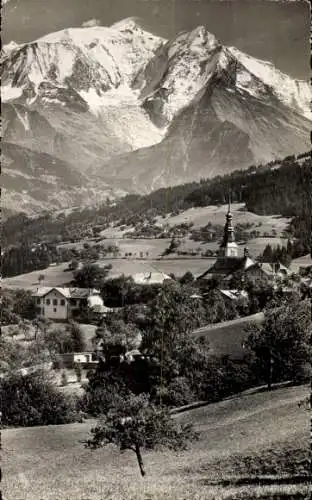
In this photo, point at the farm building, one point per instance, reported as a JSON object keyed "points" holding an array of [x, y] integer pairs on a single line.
{"points": [[62, 304]]}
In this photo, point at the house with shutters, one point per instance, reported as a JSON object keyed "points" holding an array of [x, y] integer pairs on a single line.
{"points": [[63, 304]]}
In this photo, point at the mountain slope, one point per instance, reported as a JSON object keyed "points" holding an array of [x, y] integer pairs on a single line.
{"points": [[132, 110], [224, 127], [36, 181]]}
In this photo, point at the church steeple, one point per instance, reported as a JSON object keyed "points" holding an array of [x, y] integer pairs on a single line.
{"points": [[228, 246]]}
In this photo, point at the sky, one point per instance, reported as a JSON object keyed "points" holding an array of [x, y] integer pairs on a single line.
{"points": [[273, 30]]}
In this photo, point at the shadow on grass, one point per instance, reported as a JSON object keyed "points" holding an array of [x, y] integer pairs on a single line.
{"points": [[259, 480], [279, 496]]}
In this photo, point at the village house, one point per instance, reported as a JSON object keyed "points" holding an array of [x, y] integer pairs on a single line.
{"points": [[275, 270], [63, 304], [87, 360]]}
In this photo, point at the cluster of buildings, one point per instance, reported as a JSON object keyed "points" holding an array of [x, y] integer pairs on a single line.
{"points": [[65, 304], [230, 264]]}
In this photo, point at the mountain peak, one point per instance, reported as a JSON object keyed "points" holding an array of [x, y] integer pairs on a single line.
{"points": [[130, 23], [258, 77], [93, 59], [135, 110]]}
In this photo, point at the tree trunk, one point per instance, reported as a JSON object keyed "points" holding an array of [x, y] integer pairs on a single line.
{"points": [[140, 460], [270, 370]]}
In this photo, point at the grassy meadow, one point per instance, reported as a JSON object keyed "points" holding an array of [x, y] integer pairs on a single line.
{"points": [[227, 338], [250, 446], [215, 214], [53, 276]]}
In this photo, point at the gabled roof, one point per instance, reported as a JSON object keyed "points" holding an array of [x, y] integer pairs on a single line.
{"points": [[150, 278], [43, 291], [68, 293], [274, 268], [80, 293], [228, 266], [224, 266], [248, 262], [235, 294]]}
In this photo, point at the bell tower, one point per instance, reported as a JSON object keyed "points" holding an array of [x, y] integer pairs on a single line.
{"points": [[228, 246]]}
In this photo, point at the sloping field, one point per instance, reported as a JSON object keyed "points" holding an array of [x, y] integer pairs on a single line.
{"points": [[200, 216], [227, 338], [178, 267], [53, 276], [241, 439]]}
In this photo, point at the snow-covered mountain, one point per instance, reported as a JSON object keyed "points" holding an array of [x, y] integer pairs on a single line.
{"points": [[96, 61], [127, 109]]}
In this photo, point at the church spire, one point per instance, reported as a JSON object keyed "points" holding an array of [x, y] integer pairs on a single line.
{"points": [[229, 247]]}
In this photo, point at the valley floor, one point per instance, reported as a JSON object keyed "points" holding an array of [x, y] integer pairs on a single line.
{"points": [[251, 446]]}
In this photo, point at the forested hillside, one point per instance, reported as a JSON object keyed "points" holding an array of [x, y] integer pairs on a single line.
{"points": [[281, 187]]}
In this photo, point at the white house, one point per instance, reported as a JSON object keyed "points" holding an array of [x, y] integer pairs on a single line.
{"points": [[62, 304], [87, 360]]}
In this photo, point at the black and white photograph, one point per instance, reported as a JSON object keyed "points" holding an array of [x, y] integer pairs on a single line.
{"points": [[156, 264]]}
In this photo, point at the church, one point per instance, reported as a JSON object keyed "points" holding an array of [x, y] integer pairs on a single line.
{"points": [[229, 263]]}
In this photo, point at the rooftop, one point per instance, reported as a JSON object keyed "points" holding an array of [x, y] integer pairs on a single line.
{"points": [[228, 265], [150, 278], [69, 293]]}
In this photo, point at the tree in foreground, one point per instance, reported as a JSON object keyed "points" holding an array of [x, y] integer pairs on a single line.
{"points": [[133, 423], [282, 345]]}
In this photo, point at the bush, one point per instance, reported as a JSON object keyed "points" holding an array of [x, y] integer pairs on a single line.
{"points": [[177, 393], [64, 379], [102, 392], [78, 371], [32, 400]]}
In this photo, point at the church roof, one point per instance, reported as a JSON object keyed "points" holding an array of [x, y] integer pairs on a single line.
{"points": [[224, 266], [227, 266]]}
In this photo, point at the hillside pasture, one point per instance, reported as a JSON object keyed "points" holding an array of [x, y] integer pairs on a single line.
{"points": [[154, 247], [200, 216], [177, 266], [227, 338], [248, 445], [53, 276]]}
